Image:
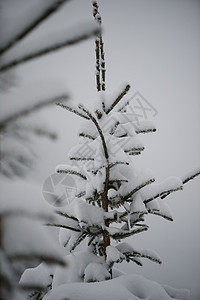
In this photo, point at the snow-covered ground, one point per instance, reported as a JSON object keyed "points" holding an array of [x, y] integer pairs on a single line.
{"points": [[126, 287]]}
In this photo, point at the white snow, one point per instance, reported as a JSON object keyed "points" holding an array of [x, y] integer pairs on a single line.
{"points": [[96, 272], [127, 287], [113, 255], [170, 184], [88, 213], [125, 247], [85, 213], [39, 276], [88, 128], [76, 267], [137, 205]]}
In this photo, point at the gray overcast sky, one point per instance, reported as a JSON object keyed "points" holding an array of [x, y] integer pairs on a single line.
{"points": [[154, 45]]}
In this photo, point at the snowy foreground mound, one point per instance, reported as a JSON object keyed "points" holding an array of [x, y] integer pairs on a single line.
{"points": [[126, 287]]}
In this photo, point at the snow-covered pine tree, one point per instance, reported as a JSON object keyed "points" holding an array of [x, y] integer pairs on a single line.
{"points": [[113, 197]]}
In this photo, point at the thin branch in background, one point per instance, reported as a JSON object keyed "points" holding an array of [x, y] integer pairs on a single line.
{"points": [[45, 50], [27, 110], [25, 31]]}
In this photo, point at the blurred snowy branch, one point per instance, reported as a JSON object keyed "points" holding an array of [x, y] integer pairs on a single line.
{"points": [[30, 109], [33, 18], [47, 44], [24, 241]]}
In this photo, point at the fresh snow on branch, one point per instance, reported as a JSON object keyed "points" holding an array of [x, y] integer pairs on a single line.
{"points": [[156, 190], [190, 175]]}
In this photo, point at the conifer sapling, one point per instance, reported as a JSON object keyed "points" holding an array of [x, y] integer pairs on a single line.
{"points": [[113, 197]]}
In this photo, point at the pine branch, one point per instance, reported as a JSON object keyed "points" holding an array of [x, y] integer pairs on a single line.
{"points": [[142, 254], [158, 213], [136, 260], [48, 49], [97, 48], [93, 230], [78, 241], [29, 109], [151, 256], [138, 188], [117, 181], [98, 81], [123, 108], [114, 128], [134, 150], [90, 137], [110, 165], [72, 172], [66, 215], [39, 19], [73, 110], [81, 158], [81, 194], [100, 55], [103, 65], [133, 153], [125, 234], [63, 226], [150, 130], [185, 179], [98, 128], [163, 194], [91, 240], [98, 114], [191, 175], [125, 91]]}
